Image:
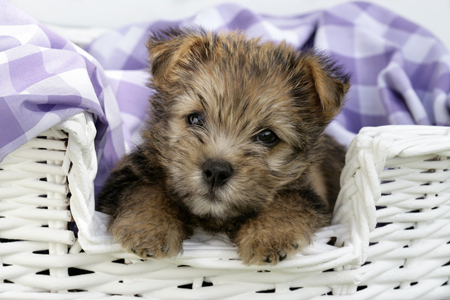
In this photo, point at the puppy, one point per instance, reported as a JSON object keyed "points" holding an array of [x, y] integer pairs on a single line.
{"points": [[234, 144]]}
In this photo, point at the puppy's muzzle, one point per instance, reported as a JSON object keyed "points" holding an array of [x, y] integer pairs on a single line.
{"points": [[216, 172]]}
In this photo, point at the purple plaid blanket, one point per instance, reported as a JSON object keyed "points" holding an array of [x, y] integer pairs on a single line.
{"points": [[400, 72], [45, 79]]}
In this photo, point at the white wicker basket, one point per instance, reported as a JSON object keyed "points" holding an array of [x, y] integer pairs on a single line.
{"points": [[391, 230]]}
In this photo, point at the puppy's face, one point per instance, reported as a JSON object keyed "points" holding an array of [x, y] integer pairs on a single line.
{"points": [[235, 121]]}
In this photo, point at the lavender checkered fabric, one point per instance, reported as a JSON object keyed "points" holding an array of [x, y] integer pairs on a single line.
{"points": [[400, 72], [45, 79]]}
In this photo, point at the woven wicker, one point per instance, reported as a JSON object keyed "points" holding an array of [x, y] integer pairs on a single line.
{"points": [[390, 237]]}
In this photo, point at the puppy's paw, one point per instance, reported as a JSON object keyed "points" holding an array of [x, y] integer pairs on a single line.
{"points": [[257, 247], [148, 239]]}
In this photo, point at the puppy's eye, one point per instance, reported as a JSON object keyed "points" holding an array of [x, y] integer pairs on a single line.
{"points": [[195, 119], [267, 137]]}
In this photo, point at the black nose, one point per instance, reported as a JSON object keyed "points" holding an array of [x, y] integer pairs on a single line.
{"points": [[216, 172]]}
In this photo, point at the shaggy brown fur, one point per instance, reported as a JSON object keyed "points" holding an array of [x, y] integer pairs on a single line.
{"points": [[234, 144]]}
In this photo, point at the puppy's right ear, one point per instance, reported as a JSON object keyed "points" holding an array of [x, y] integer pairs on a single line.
{"points": [[172, 48]]}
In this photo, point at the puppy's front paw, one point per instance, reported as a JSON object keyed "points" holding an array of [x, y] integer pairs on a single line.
{"points": [[261, 246], [157, 240]]}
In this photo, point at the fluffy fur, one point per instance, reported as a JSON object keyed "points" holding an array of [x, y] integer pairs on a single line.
{"points": [[234, 144]]}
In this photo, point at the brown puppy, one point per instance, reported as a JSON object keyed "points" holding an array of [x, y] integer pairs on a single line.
{"points": [[234, 144]]}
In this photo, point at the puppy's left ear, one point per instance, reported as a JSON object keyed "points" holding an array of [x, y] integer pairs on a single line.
{"points": [[330, 83], [173, 50]]}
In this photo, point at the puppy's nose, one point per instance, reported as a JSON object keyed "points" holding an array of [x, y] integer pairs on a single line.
{"points": [[216, 172]]}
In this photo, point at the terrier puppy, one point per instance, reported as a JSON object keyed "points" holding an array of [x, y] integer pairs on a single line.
{"points": [[234, 144]]}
